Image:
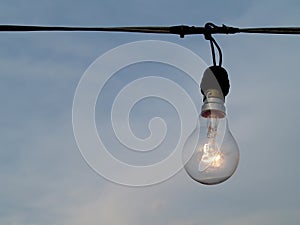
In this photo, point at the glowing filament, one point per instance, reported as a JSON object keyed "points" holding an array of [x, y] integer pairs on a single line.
{"points": [[211, 157]]}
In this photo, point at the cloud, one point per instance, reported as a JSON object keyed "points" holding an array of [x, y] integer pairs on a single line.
{"points": [[119, 205]]}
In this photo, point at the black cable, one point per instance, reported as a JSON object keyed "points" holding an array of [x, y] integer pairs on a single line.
{"points": [[25, 28], [181, 30], [213, 43], [219, 50], [213, 54], [271, 30]]}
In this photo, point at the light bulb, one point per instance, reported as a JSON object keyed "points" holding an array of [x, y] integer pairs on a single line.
{"points": [[215, 153], [211, 154]]}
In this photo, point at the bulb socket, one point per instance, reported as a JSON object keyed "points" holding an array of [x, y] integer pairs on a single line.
{"points": [[215, 83], [214, 88]]}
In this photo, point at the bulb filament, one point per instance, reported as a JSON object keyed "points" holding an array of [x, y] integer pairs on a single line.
{"points": [[211, 156]]}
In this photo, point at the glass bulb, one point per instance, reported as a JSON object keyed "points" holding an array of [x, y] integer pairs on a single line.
{"points": [[211, 154]]}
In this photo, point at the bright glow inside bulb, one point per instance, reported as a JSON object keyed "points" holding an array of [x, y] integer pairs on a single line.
{"points": [[211, 157], [211, 154]]}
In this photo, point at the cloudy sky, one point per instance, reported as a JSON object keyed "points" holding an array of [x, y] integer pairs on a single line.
{"points": [[44, 180]]}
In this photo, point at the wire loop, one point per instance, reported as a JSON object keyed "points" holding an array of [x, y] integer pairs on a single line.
{"points": [[213, 43]]}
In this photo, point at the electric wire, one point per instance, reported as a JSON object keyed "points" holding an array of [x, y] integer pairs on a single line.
{"points": [[208, 30], [181, 30], [213, 43]]}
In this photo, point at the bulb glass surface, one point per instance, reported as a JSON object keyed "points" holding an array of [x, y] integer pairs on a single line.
{"points": [[211, 154]]}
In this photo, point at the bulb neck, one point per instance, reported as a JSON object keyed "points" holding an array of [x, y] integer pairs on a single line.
{"points": [[213, 107]]}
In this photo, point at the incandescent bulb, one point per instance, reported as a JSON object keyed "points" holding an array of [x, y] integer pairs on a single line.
{"points": [[215, 153], [210, 154]]}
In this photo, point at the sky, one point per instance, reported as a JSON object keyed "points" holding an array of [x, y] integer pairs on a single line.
{"points": [[44, 180]]}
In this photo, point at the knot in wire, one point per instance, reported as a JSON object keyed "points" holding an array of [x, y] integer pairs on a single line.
{"points": [[208, 31]]}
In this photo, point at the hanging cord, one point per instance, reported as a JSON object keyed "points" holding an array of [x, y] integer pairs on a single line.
{"points": [[213, 43], [213, 54]]}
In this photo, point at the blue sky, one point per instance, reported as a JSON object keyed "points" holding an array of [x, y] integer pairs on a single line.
{"points": [[44, 179]]}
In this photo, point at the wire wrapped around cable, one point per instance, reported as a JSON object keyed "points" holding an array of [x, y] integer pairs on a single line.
{"points": [[213, 43]]}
